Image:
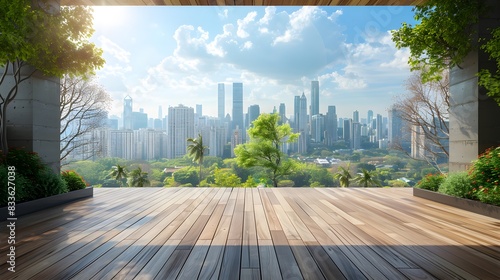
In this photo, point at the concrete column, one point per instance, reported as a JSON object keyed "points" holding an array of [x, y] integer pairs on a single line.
{"points": [[474, 117], [33, 117]]}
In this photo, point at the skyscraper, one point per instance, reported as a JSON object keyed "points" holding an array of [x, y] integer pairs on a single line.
{"points": [[221, 102], [180, 128], [300, 119], [253, 113], [369, 118], [238, 107], [380, 127], [355, 116], [282, 112], [397, 134], [127, 112], [199, 110], [331, 126], [314, 98]]}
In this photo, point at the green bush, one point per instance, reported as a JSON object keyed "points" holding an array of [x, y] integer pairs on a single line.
{"points": [[286, 184], [457, 184], [21, 184], [431, 182], [28, 164], [485, 176], [73, 180], [48, 184]]}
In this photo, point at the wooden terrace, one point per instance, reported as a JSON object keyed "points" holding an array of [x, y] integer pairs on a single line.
{"points": [[237, 233]]}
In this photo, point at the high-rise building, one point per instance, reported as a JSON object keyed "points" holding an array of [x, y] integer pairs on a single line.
{"points": [[355, 116], [314, 98], [160, 112], [317, 128], [180, 128], [347, 131], [253, 113], [331, 126], [238, 107], [127, 112], [300, 120], [282, 112], [356, 136], [380, 127], [140, 120], [369, 118], [398, 133], [199, 110], [221, 102]]}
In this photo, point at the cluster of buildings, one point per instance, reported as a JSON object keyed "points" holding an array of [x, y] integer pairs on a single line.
{"points": [[143, 138]]}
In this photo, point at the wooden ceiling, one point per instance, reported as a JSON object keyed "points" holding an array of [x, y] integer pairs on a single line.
{"points": [[244, 2]]}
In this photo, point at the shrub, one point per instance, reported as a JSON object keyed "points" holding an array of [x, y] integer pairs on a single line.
{"points": [[457, 184], [431, 182], [28, 164], [22, 186], [286, 184], [73, 180], [485, 176], [48, 184]]}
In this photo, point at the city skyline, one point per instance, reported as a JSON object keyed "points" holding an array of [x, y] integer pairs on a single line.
{"points": [[179, 55]]}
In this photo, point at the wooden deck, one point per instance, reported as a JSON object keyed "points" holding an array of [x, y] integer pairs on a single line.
{"points": [[225, 233]]}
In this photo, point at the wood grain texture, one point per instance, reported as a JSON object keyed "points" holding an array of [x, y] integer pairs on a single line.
{"points": [[224, 233]]}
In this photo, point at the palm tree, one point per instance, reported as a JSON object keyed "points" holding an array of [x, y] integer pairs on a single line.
{"points": [[119, 173], [137, 178], [367, 178], [196, 151], [343, 175]]}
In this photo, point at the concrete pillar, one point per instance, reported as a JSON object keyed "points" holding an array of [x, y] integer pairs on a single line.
{"points": [[474, 117], [33, 117]]}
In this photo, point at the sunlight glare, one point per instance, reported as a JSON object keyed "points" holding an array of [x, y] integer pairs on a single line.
{"points": [[108, 16]]}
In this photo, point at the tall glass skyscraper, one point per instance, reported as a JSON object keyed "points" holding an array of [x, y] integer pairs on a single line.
{"points": [[221, 102], [127, 112], [238, 106], [314, 98]]}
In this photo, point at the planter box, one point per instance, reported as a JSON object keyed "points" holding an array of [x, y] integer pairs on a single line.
{"points": [[462, 203], [46, 202]]}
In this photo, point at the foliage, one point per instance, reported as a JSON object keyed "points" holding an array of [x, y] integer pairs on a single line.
{"points": [[138, 178], [491, 81], [398, 184], [431, 182], [196, 151], [443, 36], [320, 176], [367, 178], [367, 166], [73, 180], [264, 148], [224, 178], [48, 183], [119, 173], [29, 164], [93, 172], [22, 184], [54, 42], [83, 106], [343, 175], [485, 176], [457, 184], [286, 184], [186, 175], [250, 182]]}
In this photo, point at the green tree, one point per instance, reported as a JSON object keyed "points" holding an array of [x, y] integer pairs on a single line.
{"points": [[185, 175], [367, 178], [445, 35], [343, 175], [119, 173], [225, 178], [138, 178], [196, 151], [52, 41], [264, 149]]}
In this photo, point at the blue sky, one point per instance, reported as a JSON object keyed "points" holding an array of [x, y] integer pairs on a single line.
{"points": [[177, 55]]}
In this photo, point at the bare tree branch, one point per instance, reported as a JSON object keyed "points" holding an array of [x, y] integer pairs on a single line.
{"points": [[83, 108], [424, 109]]}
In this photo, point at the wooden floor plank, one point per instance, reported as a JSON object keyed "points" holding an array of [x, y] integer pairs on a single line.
{"points": [[259, 233]]}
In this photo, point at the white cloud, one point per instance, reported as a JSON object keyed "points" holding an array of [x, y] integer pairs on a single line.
{"points": [[348, 81], [223, 14], [335, 15], [269, 14], [247, 45], [243, 23], [299, 20], [114, 49]]}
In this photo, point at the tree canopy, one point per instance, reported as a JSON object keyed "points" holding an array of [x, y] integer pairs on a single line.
{"points": [[446, 33], [267, 137], [53, 42]]}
